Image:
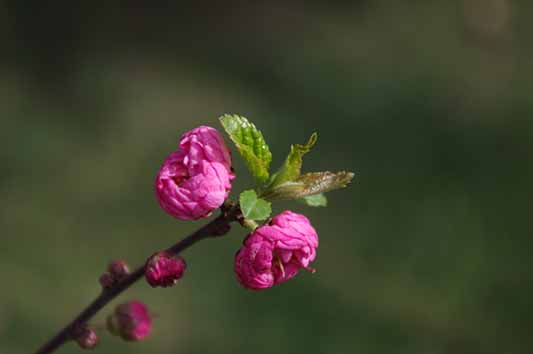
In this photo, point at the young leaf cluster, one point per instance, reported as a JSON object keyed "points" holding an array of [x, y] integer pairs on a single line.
{"points": [[287, 183]]}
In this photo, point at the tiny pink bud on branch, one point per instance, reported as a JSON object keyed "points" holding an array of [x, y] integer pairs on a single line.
{"points": [[119, 269], [164, 270], [107, 280], [116, 271], [86, 338], [131, 321]]}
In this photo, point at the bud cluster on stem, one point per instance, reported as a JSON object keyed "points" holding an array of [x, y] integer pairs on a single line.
{"points": [[192, 182], [226, 217], [116, 272]]}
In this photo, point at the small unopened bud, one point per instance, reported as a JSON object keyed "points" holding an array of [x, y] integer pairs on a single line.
{"points": [[164, 270], [119, 269], [116, 271], [131, 321], [107, 280], [86, 338]]}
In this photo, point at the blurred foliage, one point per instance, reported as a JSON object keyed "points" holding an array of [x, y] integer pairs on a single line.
{"points": [[428, 251]]}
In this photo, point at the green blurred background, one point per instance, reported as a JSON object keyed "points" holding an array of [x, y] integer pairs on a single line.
{"points": [[429, 102]]}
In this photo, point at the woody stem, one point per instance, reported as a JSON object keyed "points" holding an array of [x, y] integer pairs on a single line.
{"points": [[217, 227]]}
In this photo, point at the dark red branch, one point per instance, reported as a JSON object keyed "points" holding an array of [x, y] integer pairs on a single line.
{"points": [[216, 227]]}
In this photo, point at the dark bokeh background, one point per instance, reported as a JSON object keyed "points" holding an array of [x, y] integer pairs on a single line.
{"points": [[429, 102]]}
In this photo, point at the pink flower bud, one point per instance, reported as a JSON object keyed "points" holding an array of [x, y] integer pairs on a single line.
{"points": [[274, 253], [86, 338], [107, 280], [116, 271], [164, 270], [195, 179], [118, 268], [131, 321]]}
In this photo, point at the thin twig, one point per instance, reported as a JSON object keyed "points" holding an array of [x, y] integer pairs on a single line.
{"points": [[216, 227]]}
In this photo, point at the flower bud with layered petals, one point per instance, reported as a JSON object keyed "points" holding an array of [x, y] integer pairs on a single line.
{"points": [[195, 179], [274, 253]]}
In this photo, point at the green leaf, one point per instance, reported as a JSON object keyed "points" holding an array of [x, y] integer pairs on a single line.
{"points": [[252, 207], [321, 182], [309, 184], [315, 200], [250, 144], [293, 164]]}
